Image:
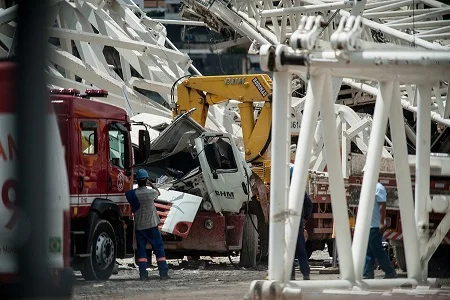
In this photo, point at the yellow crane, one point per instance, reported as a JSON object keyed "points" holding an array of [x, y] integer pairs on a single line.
{"points": [[202, 91]]}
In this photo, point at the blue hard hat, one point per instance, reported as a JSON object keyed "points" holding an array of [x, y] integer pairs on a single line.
{"points": [[141, 174]]}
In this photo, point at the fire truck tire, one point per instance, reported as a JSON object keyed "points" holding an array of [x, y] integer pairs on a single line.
{"points": [[399, 254], [249, 243], [100, 265]]}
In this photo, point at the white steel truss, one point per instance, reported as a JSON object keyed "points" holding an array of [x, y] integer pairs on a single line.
{"points": [[112, 45], [415, 23], [391, 70]]}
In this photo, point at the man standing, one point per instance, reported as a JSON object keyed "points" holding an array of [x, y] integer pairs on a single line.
{"points": [[146, 225], [377, 228], [300, 250]]}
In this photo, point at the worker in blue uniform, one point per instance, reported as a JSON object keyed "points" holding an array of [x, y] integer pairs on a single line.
{"points": [[300, 251], [375, 247], [146, 222]]}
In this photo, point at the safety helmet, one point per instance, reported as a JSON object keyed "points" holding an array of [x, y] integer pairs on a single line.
{"points": [[141, 174]]}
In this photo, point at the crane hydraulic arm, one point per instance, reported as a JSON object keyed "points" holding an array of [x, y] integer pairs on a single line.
{"points": [[202, 91]]}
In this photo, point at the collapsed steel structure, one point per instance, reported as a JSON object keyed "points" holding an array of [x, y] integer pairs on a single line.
{"points": [[391, 68], [420, 24]]}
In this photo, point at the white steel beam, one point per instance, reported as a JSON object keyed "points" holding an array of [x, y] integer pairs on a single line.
{"points": [[279, 175], [404, 185], [334, 165], [370, 178], [422, 183], [139, 46], [301, 165]]}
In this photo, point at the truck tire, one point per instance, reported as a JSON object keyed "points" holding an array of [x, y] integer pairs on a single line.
{"points": [[100, 265], [249, 243], [399, 254]]}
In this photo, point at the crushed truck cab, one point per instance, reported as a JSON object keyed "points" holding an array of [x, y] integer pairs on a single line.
{"points": [[205, 185]]}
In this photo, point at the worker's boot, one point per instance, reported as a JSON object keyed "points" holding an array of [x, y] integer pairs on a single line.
{"points": [[163, 269], [143, 275]]}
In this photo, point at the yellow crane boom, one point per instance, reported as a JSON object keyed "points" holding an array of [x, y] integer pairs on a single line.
{"points": [[202, 91]]}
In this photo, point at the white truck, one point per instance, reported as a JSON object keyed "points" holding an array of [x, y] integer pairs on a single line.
{"points": [[205, 195]]}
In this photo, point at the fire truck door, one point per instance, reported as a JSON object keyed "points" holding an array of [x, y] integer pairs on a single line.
{"points": [[119, 174], [91, 170]]}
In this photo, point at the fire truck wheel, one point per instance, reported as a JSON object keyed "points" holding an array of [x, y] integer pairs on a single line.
{"points": [[399, 254], [103, 253], [249, 243]]}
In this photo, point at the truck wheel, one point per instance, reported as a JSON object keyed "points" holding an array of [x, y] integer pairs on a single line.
{"points": [[249, 243], [100, 265], [399, 253]]}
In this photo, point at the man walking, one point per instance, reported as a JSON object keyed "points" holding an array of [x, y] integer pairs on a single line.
{"points": [[146, 225], [300, 250], [377, 228]]}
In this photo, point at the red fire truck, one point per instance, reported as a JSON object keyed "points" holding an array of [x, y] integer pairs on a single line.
{"points": [[99, 158]]}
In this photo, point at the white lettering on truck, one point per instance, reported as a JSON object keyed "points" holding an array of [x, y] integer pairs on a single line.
{"points": [[8, 181]]}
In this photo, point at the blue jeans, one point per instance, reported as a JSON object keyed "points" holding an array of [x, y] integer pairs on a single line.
{"points": [[300, 253], [153, 236], [375, 251]]}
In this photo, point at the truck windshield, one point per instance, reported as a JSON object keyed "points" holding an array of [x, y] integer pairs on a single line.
{"points": [[219, 155], [118, 146]]}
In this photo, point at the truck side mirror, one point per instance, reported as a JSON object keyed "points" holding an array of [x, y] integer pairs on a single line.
{"points": [[144, 144]]}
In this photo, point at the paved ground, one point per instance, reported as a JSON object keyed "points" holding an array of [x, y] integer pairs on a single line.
{"points": [[212, 279]]}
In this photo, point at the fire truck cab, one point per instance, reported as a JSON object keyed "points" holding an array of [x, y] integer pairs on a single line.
{"points": [[99, 159]]}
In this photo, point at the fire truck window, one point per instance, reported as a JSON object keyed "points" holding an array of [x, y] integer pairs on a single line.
{"points": [[118, 146], [89, 139]]}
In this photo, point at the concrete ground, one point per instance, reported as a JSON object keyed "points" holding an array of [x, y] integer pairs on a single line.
{"points": [[217, 278]]}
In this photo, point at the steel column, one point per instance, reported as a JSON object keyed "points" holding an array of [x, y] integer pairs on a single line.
{"points": [[372, 168], [301, 165], [404, 186], [422, 191], [279, 178], [339, 201]]}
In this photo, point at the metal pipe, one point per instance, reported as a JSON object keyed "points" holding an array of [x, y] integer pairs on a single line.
{"points": [[301, 165], [404, 186], [422, 178], [320, 285], [323, 285], [436, 238], [386, 7], [334, 164], [181, 22], [442, 29], [432, 12], [405, 103], [435, 36], [279, 173], [395, 33], [424, 24], [372, 168], [277, 12], [399, 13]]}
